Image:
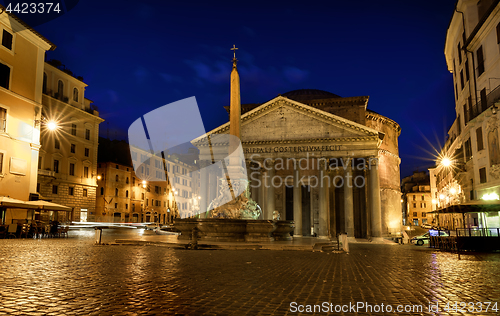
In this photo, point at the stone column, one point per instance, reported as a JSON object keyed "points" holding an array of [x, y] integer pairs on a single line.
{"points": [[348, 203], [297, 203], [271, 199], [375, 207], [262, 191], [323, 201], [204, 189]]}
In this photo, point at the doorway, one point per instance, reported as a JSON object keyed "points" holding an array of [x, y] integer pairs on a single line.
{"points": [[289, 203], [306, 210]]}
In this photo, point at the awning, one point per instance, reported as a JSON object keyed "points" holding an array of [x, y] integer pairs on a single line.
{"points": [[477, 207], [14, 203], [49, 206]]}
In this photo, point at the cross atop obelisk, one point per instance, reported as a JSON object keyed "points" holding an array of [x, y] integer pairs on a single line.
{"points": [[234, 51]]}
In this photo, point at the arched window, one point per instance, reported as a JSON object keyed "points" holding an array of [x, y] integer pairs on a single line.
{"points": [[116, 177], [44, 87], [116, 192], [60, 90], [75, 94], [126, 181], [126, 193], [102, 190]]}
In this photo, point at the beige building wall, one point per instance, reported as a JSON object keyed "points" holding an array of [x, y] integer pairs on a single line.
{"points": [[67, 172], [20, 110]]}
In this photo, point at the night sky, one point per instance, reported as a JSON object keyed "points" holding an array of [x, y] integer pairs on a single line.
{"points": [[138, 56]]}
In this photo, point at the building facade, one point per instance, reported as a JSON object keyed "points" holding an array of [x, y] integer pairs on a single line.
{"points": [[22, 52], [67, 167], [417, 199], [323, 161], [472, 54], [161, 190]]}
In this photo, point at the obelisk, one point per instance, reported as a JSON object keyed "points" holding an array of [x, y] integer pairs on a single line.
{"points": [[235, 101]]}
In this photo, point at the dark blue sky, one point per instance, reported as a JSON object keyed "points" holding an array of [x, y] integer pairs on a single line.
{"points": [[137, 56]]}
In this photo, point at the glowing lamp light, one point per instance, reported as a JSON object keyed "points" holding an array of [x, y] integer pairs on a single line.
{"points": [[453, 191], [441, 196], [446, 162], [98, 177], [51, 125], [434, 201], [490, 197]]}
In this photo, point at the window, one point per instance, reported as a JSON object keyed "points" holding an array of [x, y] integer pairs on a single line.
{"points": [[4, 76], [3, 119], [468, 150], [479, 138], [126, 181], [424, 214], [60, 90], [415, 222], [423, 205], [85, 192], [71, 191], [54, 189], [126, 193], [116, 192], [498, 33], [73, 148], [143, 196], [414, 197], [117, 167], [466, 113], [482, 175], [466, 66], [87, 135], [116, 177], [423, 197], [38, 187], [71, 169], [459, 52], [87, 152], [73, 129], [462, 79], [44, 86], [85, 172], [116, 205], [7, 40], [480, 61], [57, 144], [1, 162], [414, 214], [484, 100], [414, 205], [56, 166], [126, 206], [75, 94], [102, 190]]}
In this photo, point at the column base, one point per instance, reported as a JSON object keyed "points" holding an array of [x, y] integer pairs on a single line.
{"points": [[351, 239], [323, 237], [299, 236], [378, 240]]}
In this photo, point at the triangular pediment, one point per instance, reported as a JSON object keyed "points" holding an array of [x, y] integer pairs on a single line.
{"points": [[283, 119]]}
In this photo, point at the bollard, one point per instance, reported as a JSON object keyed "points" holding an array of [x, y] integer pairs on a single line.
{"points": [[194, 238], [98, 235]]}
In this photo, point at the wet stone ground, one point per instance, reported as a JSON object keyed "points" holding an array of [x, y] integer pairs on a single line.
{"points": [[71, 276]]}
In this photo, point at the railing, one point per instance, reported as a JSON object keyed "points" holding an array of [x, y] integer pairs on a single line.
{"points": [[478, 232], [480, 106]]}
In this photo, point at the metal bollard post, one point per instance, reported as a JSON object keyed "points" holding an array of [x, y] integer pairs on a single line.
{"points": [[98, 235], [194, 238]]}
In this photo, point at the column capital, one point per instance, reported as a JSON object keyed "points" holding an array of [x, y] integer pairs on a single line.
{"points": [[373, 161]]}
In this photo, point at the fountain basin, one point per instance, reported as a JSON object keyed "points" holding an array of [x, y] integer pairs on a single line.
{"points": [[260, 230], [219, 229], [185, 225], [283, 230]]}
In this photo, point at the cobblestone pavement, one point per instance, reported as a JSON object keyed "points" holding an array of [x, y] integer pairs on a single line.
{"points": [[71, 276]]}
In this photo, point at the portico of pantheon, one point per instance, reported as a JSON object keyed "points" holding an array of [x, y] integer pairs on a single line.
{"points": [[324, 161]]}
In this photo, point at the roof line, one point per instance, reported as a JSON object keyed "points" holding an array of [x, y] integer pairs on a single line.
{"points": [[52, 45]]}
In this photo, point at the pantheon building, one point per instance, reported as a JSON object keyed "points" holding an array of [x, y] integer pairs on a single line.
{"points": [[324, 161]]}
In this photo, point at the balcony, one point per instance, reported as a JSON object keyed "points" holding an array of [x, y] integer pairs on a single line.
{"points": [[481, 106]]}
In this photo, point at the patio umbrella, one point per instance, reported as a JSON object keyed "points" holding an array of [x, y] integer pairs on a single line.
{"points": [[49, 206], [8, 202]]}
